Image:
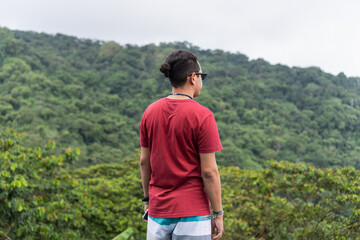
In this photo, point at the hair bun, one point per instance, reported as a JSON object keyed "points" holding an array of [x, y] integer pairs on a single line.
{"points": [[165, 69]]}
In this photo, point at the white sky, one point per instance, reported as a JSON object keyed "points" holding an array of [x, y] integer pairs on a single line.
{"points": [[322, 33]]}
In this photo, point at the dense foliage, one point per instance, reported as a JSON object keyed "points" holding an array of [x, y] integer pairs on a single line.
{"points": [[292, 201], [34, 194], [39, 199], [91, 94]]}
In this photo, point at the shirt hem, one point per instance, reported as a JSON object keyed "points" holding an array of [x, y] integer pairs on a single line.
{"points": [[211, 150], [177, 215]]}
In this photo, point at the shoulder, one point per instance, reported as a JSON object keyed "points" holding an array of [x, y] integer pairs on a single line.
{"points": [[198, 112], [201, 109], [157, 103], [154, 105]]}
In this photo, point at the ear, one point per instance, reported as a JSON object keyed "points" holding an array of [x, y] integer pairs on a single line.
{"points": [[192, 79]]}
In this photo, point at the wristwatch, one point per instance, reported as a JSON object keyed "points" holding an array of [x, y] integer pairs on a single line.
{"points": [[215, 214], [145, 200]]}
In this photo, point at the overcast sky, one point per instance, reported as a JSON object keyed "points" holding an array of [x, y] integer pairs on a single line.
{"points": [[303, 33]]}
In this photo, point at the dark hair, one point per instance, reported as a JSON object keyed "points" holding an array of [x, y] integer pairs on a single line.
{"points": [[178, 65]]}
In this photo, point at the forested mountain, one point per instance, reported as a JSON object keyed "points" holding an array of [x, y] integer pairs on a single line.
{"points": [[91, 94]]}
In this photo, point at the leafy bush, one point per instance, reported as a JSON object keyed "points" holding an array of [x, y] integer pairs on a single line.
{"points": [[34, 196], [291, 201]]}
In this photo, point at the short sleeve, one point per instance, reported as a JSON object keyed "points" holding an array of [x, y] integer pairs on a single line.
{"points": [[143, 133], [208, 138]]}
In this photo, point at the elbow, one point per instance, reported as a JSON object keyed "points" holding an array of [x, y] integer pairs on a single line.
{"points": [[144, 162], [210, 174]]}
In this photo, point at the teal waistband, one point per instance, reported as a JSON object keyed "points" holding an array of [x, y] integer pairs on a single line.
{"points": [[168, 221]]}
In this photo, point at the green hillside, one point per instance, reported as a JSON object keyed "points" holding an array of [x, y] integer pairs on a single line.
{"points": [[39, 199], [91, 94]]}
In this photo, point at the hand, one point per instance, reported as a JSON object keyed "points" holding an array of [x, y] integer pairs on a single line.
{"points": [[217, 224], [146, 207]]}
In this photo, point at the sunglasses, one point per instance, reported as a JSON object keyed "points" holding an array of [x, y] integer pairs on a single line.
{"points": [[203, 75]]}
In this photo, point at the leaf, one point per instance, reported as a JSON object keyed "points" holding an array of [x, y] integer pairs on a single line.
{"points": [[20, 208], [23, 181], [4, 173], [18, 183], [13, 167], [42, 209], [124, 235]]}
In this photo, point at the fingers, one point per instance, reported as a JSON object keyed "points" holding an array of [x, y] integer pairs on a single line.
{"points": [[218, 235], [217, 223]]}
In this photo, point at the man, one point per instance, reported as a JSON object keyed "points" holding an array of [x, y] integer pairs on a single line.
{"points": [[178, 139]]}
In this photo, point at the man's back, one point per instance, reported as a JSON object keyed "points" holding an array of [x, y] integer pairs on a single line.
{"points": [[176, 131]]}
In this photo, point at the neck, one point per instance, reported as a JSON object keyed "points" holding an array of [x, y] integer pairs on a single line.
{"points": [[182, 91], [180, 94]]}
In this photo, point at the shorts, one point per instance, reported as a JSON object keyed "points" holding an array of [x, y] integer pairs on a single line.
{"points": [[184, 228]]}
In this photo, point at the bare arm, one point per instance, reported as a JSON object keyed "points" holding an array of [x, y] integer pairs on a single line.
{"points": [[211, 179], [145, 171]]}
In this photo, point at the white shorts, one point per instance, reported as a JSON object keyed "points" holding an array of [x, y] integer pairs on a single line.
{"points": [[184, 228]]}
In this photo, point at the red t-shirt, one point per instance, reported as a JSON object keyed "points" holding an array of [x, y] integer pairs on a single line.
{"points": [[176, 131]]}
